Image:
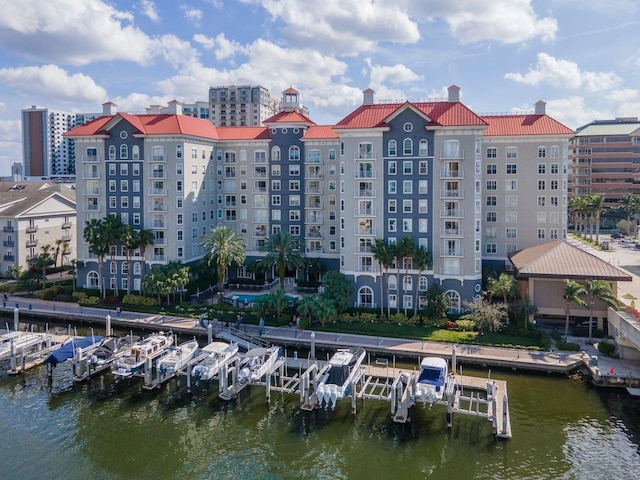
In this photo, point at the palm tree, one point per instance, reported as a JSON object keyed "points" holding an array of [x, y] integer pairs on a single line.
{"points": [[572, 292], [283, 253], [422, 259], [382, 253], [502, 286], [527, 309], [112, 226], [42, 261], [56, 252], [407, 248], [578, 208], [130, 242], [145, 238], [225, 248], [596, 206], [599, 290], [94, 236]]}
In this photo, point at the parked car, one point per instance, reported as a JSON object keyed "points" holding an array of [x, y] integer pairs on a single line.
{"points": [[616, 236]]}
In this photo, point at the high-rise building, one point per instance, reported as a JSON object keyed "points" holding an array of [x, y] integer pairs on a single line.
{"points": [[604, 158], [240, 105]]}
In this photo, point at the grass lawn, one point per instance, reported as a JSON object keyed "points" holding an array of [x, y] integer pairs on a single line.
{"points": [[431, 334]]}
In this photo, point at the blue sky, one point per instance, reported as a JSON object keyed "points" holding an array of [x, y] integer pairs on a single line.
{"points": [[580, 56]]}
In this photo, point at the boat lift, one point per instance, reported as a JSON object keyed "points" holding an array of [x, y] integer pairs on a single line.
{"points": [[26, 350]]}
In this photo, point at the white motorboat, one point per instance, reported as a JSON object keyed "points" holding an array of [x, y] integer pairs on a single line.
{"points": [[134, 356], [431, 381], [108, 350], [22, 341], [218, 354], [177, 358], [258, 362], [344, 368]]}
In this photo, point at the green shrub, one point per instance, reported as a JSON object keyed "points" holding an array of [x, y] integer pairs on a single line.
{"points": [[556, 335], [606, 348], [466, 325], [436, 322], [132, 299], [398, 318], [568, 346], [451, 325], [89, 301]]}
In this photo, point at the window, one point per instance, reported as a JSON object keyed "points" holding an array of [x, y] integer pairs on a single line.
{"points": [[275, 170], [511, 185], [294, 153], [512, 169], [124, 185], [492, 201], [392, 225], [423, 187], [511, 201], [511, 216], [492, 152], [407, 206], [275, 200], [542, 168], [541, 233], [294, 230], [407, 187], [541, 185], [542, 152], [555, 151], [294, 170], [512, 152], [407, 168], [423, 225], [554, 168], [492, 168], [553, 233], [553, 201], [492, 184], [491, 248], [392, 206], [423, 148], [541, 201], [393, 148], [407, 146], [294, 185], [542, 217], [275, 185], [332, 154], [423, 167], [179, 169], [511, 232], [112, 152], [492, 217], [423, 206], [392, 186]]}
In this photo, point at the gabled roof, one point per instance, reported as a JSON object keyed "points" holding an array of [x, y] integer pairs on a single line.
{"points": [[559, 259], [512, 125], [243, 133], [320, 132], [289, 117], [440, 113], [16, 202], [149, 124], [603, 128]]}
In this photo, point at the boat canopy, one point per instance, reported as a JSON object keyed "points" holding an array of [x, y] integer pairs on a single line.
{"points": [[67, 350]]}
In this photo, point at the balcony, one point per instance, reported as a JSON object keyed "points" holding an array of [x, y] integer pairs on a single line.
{"points": [[314, 250], [452, 232], [158, 208], [364, 212], [453, 271], [31, 243], [452, 252], [364, 249], [8, 243], [90, 158], [451, 213], [451, 193], [155, 192], [314, 205], [160, 241], [446, 173], [313, 220], [158, 258], [365, 193], [259, 175], [318, 175], [452, 154], [8, 228], [9, 258], [66, 238], [91, 175], [31, 229], [313, 190], [365, 305], [364, 231], [313, 235], [92, 191], [372, 175], [259, 189], [157, 158], [366, 268], [157, 175], [91, 208], [365, 156], [313, 161]]}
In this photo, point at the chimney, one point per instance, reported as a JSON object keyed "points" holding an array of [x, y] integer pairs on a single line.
{"points": [[175, 108], [540, 108], [109, 109], [454, 93], [368, 97]]}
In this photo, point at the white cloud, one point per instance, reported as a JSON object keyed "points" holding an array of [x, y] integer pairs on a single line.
{"points": [[10, 144], [192, 14], [393, 74], [565, 74], [148, 8], [503, 21], [222, 47], [138, 102], [574, 112], [72, 31], [53, 83], [344, 27], [179, 53]]}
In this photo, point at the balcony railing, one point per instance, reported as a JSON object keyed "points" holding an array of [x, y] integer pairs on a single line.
{"points": [[366, 268], [314, 220], [158, 208], [9, 258], [459, 153], [91, 208], [314, 250], [158, 192], [452, 232], [365, 156], [90, 175], [452, 213], [157, 158], [157, 225], [364, 249], [451, 193], [365, 193], [369, 175], [66, 225], [365, 305], [365, 212], [8, 243], [66, 238], [452, 252], [31, 243], [363, 231], [453, 271], [158, 258], [157, 175], [313, 190], [92, 191], [313, 205], [451, 173], [8, 228], [31, 229], [90, 158], [318, 175]]}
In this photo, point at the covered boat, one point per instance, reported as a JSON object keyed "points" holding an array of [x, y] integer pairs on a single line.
{"points": [[344, 367], [67, 350], [218, 354], [431, 381]]}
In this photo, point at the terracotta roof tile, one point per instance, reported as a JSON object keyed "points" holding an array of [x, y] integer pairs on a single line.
{"points": [[289, 117], [320, 131], [559, 259], [509, 125], [243, 133], [441, 113]]}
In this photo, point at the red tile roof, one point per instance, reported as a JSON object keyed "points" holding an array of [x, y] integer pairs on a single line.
{"points": [[440, 113], [510, 125], [289, 117], [243, 133], [290, 90], [156, 124], [320, 132]]}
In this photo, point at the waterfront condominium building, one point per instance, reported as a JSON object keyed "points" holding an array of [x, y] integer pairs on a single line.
{"points": [[385, 171], [604, 158], [46, 152], [240, 105], [524, 184]]}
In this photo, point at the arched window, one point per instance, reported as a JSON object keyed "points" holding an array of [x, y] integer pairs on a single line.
{"points": [[365, 297], [124, 152], [93, 279], [136, 268], [275, 154], [454, 301], [294, 153], [407, 283], [422, 285], [423, 148], [243, 155], [393, 148], [393, 282], [112, 152], [135, 152], [407, 146], [178, 151]]}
